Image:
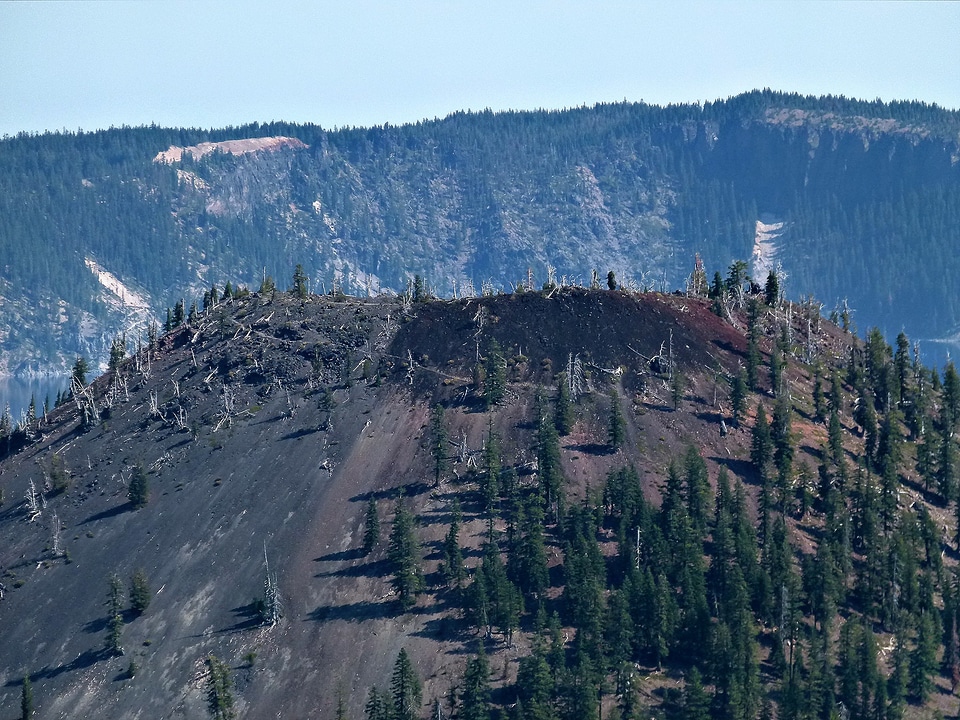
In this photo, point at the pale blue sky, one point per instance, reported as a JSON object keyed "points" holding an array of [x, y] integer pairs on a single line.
{"points": [[82, 64]]}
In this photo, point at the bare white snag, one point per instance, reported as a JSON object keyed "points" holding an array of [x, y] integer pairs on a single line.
{"points": [[272, 607], [33, 502], [574, 376], [410, 366], [57, 546], [180, 419]]}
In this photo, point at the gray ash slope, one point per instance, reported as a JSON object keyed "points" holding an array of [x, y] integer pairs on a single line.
{"points": [[276, 418]]}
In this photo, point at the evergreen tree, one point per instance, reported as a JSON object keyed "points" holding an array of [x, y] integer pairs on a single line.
{"points": [[26, 699], [371, 529], [697, 491], [771, 290], [495, 382], [563, 415], [753, 344], [405, 689], [474, 695], [438, 443], [113, 643], [923, 659], [452, 565], [219, 689], [378, 705], [761, 445], [616, 426], [490, 483], [140, 595], [299, 287], [738, 396], [819, 397], [678, 385], [549, 471], [81, 368], [404, 557], [696, 701], [138, 492]]}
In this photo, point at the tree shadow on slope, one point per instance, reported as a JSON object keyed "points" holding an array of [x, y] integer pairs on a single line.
{"points": [[742, 469], [247, 617], [362, 611], [109, 513], [81, 662], [408, 490], [375, 568], [343, 555]]}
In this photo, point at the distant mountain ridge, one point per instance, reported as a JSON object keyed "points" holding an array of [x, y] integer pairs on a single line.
{"points": [[868, 194]]}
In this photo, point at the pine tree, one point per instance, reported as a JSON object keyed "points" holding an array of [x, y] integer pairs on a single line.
{"points": [[772, 289], [563, 414], [219, 689], [616, 425], [819, 397], [761, 446], [140, 595], [438, 443], [738, 396], [300, 280], [113, 643], [378, 705], [923, 659], [753, 344], [404, 557], [405, 689], [495, 382], [138, 492], [371, 529], [452, 566], [490, 483], [696, 702], [26, 699], [678, 385], [474, 695], [80, 370]]}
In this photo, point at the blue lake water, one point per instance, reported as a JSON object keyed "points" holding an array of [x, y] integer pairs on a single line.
{"points": [[18, 391]]}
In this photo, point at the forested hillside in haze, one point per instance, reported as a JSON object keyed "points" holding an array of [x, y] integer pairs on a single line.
{"points": [[868, 195]]}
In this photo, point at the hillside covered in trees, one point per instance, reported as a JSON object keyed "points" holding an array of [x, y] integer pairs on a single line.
{"points": [[555, 503], [100, 232]]}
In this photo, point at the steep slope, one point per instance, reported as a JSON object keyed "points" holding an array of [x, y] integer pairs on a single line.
{"points": [[265, 427], [286, 474]]}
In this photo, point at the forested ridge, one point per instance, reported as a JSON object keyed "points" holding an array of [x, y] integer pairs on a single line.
{"points": [[817, 579], [867, 192]]}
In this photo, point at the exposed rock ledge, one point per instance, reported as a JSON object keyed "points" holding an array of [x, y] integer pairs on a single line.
{"points": [[234, 147]]}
